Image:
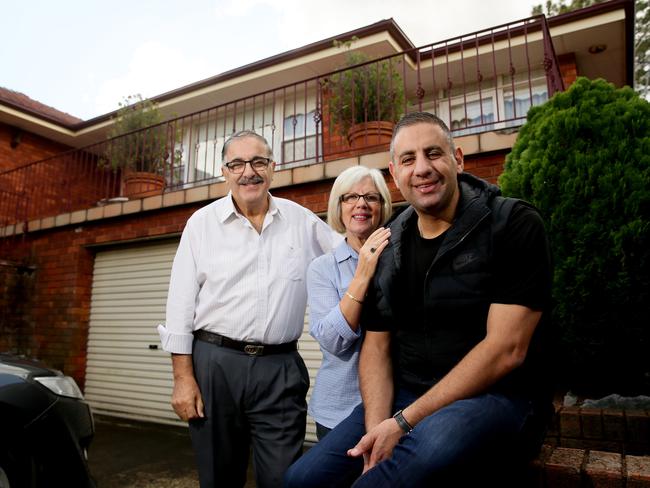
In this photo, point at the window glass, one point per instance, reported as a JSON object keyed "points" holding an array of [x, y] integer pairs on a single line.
{"points": [[524, 98], [474, 116], [299, 125]]}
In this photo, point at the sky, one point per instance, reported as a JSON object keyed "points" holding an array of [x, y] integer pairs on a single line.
{"points": [[84, 56]]}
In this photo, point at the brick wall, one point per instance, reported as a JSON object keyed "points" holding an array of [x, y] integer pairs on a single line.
{"points": [[30, 147], [63, 183], [613, 430], [559, 467], [57, 309], [588, 447], [16, 289], [486, 166], [314, 196], [568, 68]]}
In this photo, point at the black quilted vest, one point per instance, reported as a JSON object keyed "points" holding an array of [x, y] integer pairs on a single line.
{"points": [[456, 292]]}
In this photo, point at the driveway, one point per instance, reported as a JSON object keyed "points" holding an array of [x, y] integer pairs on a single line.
{"points": [[130, 454]]}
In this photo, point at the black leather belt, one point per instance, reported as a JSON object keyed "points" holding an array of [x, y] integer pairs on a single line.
{"points": [[249, 348]]}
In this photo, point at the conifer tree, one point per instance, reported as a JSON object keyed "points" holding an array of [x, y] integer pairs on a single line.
{"points": [[583, 159]]}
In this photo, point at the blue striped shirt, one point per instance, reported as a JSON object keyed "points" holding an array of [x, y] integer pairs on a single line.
{"points": [[336, 391]]}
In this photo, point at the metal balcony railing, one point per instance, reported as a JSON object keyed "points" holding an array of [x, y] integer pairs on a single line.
{"points": [[483, 81]]}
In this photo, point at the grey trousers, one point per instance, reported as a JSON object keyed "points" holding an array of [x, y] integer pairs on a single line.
{"points": [[250, 401]]}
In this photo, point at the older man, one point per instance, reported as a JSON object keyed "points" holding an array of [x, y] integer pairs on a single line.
{"points": [[451, 370], [235, 310]]}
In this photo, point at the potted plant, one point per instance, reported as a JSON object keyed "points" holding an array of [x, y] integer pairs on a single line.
{"points": [[366, 99], [141, 147]]}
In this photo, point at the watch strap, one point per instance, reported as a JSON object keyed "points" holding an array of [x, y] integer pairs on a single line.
{"points": [[401, 421]]}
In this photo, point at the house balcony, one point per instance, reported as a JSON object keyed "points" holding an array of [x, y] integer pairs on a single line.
{"points": [[480, 83]]}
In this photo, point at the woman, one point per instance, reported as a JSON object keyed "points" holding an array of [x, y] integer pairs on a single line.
{"points": [[359, 204]]}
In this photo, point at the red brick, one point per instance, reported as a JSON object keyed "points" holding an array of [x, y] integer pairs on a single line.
{"points": [[570, 422], [31, 148], [535, 472], [592, 423], [613, 425], [604, 469], [595, 444], [563, 468], [568, 68], [483, 172], [637, 424], [638, 471]]}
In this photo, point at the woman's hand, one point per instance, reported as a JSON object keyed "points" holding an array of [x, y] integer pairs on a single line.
{"points": [[368, 256], [370, 252]]}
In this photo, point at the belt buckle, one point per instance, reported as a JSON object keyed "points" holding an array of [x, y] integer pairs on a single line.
{"points": [[253, 350]]}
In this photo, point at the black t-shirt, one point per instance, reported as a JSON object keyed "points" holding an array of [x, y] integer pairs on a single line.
{"points": [[418, 254], [521, 275]]}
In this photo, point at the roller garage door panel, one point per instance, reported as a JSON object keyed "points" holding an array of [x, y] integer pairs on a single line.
{"points": [[128, 374]]}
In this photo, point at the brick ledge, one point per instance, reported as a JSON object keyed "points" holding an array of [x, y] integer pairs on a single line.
{"points": [[563, 466]]}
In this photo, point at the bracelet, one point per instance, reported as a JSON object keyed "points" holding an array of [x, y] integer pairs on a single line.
{"points": [[401, 421], [353, 297]]}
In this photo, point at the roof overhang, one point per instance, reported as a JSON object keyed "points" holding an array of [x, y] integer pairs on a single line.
{"points": [[583, 32], [602, 39], [379, 39]]}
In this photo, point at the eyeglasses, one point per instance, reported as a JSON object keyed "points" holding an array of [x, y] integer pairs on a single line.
{"points": [[258, 164], [353, 198]]}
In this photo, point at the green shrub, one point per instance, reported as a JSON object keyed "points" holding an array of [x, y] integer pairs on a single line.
{"points": [[583, 159]]}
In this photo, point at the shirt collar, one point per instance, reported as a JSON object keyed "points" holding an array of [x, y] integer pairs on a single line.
{"points": [[343, 252], [229, 210]]}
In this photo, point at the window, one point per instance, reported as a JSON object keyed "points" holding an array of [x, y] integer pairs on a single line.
{"points": [[204, 140], [207, 159], [298, 125], [477, 115], [301, 138], [525, 97]]}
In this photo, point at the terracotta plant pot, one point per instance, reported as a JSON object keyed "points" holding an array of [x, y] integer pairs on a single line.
{"points": [[368, 134], [139, 184]]}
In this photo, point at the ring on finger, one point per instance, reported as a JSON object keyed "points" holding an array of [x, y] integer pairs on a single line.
{"points": [[372, 250]]}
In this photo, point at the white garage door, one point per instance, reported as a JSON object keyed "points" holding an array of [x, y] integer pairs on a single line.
{"points": [[128, 375], [312, 356]]}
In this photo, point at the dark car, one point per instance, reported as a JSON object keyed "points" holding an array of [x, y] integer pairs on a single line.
{"points": [[45, 427]]}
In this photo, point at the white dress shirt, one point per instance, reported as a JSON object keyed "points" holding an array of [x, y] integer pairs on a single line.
{"points": [[228, 279]]}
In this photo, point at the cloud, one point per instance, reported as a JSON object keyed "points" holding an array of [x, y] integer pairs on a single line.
{"points": [[241, 8], [154, 69], [424, 21], [298, 19]]}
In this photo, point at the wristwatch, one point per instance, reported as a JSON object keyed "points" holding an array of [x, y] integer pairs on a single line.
{"points": [[401, 421]]}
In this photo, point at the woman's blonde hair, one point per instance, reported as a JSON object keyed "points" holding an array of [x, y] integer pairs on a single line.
{"points": [[346, 180]]}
